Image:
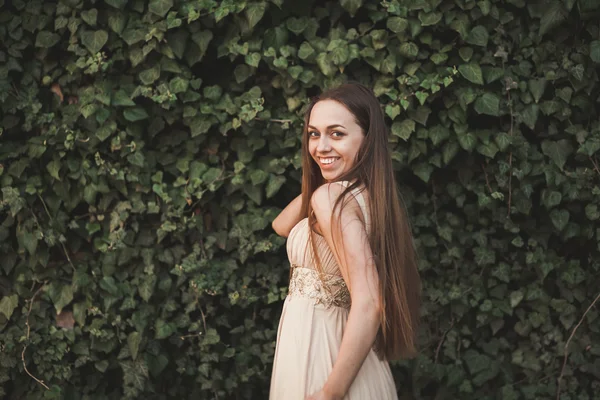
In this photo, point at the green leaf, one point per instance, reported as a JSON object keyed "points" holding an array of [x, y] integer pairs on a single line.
{"points": [[92, 227], [29, 241], [502, 140], [136, 158], [163, 329], [351, 5], [157, 364], [133, 341], [403, 129], [135, 374], [305, 51], [420, 115], [488, 149], [591, 212], [595, 51], [440, 58], [135, 114], [558, 151], [537, 88], [565, 93], [120, 4], [467, 140], [120, 98], [560, 218], [392, 111], [255, 12], [550, 107], [408, 49], [17, 168], [94, 40], [421, 96], [46, 39], [551, 198], [274, 184], [60, 22], [150, 75], [211, 337], [485, 6], [108, 284], [179, 84], [326, 65], [471, 72], [276, 37], [428, 19], [296, 25], [476, 362], [449, 151], [478, 36], [515, 298], [465, 53], [90, 16], [530, 115], [423, 170], [438, 134], [53, 168], [492, 74], [117, 22], [253, 59], [397, 24], [8, 305], [62, 298], [554, 14], [146, 287], [488, 103], [461, 25], [160, 7]]}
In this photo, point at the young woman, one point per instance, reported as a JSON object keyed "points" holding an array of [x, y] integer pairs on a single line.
{"points": [[354, 291]]}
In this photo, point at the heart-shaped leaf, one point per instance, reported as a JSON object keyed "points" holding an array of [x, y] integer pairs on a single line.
{"points": [[557, 151], [94, 40], [471, 72]]}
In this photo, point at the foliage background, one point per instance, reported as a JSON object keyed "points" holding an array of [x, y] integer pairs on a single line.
{"points": [[147, 145]]}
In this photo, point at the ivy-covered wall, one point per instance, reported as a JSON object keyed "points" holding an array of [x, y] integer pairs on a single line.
{"points": [[145, 147]]}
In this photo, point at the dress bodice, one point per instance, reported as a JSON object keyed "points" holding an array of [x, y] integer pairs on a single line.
{"points": [[329, 288]]}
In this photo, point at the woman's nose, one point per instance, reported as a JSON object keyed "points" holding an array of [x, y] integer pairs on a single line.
{"points": [[324, 145]]}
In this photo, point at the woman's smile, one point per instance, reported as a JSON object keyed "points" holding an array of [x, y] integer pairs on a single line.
{"points": [[328, 162]]}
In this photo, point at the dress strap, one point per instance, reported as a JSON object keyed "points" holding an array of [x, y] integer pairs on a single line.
{"points": [[360, 199]]}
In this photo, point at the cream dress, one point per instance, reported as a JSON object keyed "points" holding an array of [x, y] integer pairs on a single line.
{"points": [[313, 322]]}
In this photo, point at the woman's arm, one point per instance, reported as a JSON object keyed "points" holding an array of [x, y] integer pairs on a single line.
{"points": [[288, 218], [355, 259]]}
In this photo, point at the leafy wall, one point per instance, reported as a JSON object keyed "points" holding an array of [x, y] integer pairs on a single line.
{"points": [[145, 147]]}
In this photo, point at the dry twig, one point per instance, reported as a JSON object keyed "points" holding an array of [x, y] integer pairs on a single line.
{"points": [[510, 156], [27, 337], [595, 165], [487, 181], [562, 371], [437, 351]]}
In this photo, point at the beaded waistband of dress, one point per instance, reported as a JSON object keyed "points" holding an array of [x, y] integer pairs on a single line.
{"points": [[328, 289]]}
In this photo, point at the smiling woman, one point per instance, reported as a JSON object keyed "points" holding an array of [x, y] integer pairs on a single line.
{"points": [[334, 147], [354, 291]]}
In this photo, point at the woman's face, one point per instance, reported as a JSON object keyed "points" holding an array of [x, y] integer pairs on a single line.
{"points": [[334, 138]]}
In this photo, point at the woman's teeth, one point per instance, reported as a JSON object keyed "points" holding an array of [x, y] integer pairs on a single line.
{"points": [[328, 160]]}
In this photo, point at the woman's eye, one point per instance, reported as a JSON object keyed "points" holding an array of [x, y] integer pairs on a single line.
{"points": [[313, 134], [337, 134]]}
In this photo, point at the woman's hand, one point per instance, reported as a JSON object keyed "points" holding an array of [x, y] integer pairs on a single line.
{"points": [[322, 395]]}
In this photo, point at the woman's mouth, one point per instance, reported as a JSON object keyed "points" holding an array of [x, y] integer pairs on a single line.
{"points": [[327, 162]]}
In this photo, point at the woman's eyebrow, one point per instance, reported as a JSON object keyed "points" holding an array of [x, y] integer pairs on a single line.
{"points": [[329, 127]]}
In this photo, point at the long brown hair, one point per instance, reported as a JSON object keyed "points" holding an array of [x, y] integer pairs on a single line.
{"points": [[390, 235]]}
